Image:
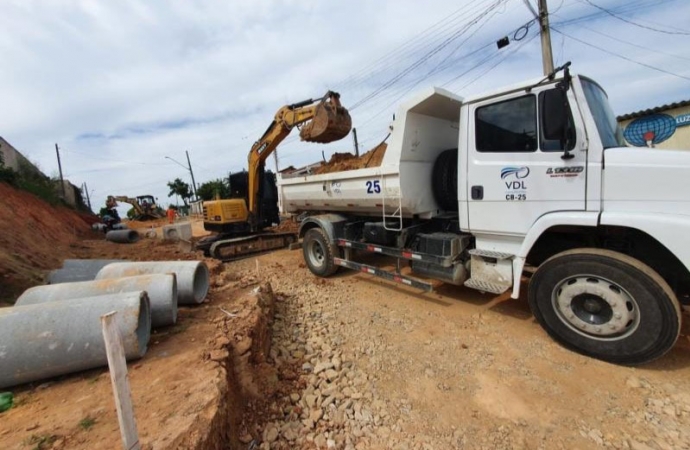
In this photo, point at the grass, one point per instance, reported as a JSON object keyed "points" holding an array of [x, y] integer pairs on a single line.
{"points": [[41, 441], [86, 423]]}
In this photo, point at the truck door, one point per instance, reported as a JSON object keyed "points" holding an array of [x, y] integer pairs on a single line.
{"points": [[514, 175]]}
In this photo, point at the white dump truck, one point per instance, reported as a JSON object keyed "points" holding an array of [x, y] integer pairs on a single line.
{"points": [[529, 180]]}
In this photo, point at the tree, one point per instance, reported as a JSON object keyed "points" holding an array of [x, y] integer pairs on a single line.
{"points": [[208, 190], [179, 187]]}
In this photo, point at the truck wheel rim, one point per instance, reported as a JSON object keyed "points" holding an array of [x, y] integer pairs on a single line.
{"points": [[316, 253], [596, 307]]}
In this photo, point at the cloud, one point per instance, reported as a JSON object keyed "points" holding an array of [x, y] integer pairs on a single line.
{"points": [[121, 85]]}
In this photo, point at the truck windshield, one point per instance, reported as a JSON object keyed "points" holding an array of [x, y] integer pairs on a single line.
{"points": [[607, 125]]}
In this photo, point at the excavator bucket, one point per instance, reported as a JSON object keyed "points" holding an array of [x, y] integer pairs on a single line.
{"points": [[330, 123]]}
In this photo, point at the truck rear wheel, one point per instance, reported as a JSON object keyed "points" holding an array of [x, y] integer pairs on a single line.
{"points": [[605, 304], [318, 253], [444, 180]]}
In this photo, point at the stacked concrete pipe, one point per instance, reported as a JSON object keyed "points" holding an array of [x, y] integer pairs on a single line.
{"points": [[50, 339], [161, 290], [193, 279], [122, 236], [79, 270]]}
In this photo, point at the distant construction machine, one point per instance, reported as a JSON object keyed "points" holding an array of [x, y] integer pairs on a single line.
{"points": [[240, 221], [145, 207]]}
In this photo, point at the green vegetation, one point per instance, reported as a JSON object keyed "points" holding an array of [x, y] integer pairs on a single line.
{"points": [[31, 180], [208, 190], [179, 187], [40, 441], [86, 423]]}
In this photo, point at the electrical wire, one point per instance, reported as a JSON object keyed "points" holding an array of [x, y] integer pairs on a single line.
{"points": [[418, 43], [623, 41], [631, 22], [627, 8], [621, 56], [531, 8], [421, 60]]}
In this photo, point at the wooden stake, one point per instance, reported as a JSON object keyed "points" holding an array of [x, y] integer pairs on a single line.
{"points": [[120, 381]]}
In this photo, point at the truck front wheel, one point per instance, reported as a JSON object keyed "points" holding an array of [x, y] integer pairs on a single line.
{"points": [[318, 253], [606, 305]]}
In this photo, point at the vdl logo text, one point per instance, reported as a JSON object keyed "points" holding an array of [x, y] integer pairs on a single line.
{"points": [[515, 185], [519, 173]]}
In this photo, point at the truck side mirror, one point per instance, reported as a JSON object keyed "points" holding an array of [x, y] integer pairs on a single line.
{"points": [[554, 114]]}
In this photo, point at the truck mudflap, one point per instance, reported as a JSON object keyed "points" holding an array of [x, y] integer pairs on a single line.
{"points": [[398, 278], [242, 247]]}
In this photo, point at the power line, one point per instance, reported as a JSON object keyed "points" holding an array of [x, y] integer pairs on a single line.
{"points": [[621, 56], [633, 44], [627, 8], [417, 43], [507, 55], [426, 56], [631, 22]]}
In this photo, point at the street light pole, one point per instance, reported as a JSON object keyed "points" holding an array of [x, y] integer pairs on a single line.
{"points": [[196, 197], [189, 168]]}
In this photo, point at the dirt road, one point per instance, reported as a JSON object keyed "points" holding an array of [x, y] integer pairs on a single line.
{"points": [[355, 363], [386, 367]]}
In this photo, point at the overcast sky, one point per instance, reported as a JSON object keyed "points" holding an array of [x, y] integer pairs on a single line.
{"points": [[120, 85]]}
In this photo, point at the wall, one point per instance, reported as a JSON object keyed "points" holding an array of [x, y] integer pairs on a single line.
{"points": [[681, 137], [13, 159]]}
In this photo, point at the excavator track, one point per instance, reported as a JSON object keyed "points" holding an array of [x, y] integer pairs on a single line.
{"points": [[242, 247]]}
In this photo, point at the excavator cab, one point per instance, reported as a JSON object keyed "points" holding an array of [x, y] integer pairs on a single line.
{"points": [[330, 123]]}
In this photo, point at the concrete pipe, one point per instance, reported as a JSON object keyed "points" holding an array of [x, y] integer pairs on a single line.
{"points": [[79, 270], [122, 236], [161, 289], [88, 263], [119, 226], [51, 339], [192, 276]]}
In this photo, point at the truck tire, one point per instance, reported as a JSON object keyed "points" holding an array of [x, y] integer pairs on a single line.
{"points": [[318, 253], [444, 181], [606, 305]]}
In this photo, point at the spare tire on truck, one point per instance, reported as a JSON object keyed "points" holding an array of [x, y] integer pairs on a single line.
{"points": [[444, 180]]}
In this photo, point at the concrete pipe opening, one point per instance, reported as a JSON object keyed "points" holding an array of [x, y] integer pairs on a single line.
{"points": [[161, 290], [122, 236], [193, 278]]}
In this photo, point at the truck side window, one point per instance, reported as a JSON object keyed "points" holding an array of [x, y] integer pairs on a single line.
{"points": [[507, 126], [555, 145]]}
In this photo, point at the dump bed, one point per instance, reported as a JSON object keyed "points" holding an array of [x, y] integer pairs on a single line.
{"points": [[422, 129]]}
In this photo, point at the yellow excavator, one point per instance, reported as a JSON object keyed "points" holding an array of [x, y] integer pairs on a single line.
{"points": [[145, 207], [240, 221]]}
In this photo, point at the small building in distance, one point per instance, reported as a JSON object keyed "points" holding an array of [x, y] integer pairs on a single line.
{"points": [[665, 126]]}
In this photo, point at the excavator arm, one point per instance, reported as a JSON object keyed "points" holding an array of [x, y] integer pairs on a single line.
{"points": [[111, 202], [328, 122]]}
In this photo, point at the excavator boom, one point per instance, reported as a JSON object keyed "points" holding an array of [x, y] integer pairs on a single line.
{"points": [[322, 120], [328, 121]]}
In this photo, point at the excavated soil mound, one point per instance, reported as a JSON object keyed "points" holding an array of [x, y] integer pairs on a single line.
{"points": [[34, 236], [347, 161]]}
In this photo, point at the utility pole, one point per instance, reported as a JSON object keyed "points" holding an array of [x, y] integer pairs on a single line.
{"points": [[275, 157], [62, 182], [88, 200], [545, 31], [354, 136], [196, 197]]}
